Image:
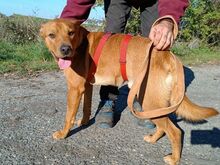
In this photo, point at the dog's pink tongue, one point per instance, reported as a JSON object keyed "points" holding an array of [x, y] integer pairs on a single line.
{"points": [[64, 63]]}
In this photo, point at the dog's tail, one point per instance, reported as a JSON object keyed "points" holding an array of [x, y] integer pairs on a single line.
{"points": [[193, 112]]}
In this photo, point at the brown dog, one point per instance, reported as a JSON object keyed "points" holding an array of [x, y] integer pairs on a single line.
{"points": [[73, 47]]}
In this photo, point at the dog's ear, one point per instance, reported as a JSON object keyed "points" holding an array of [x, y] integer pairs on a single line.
{"points": [[76, 22]]}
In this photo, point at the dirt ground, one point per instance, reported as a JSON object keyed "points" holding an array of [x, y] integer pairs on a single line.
{"points": [[33, 108]]}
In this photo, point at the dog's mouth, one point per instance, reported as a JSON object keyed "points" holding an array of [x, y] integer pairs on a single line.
{"points": [[64, 62]]}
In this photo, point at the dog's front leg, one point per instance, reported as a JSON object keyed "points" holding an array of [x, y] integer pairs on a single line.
{"points": [[73, 100], [87, 102]]}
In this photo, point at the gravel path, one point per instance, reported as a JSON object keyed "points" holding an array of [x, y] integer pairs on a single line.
{"points": [[32, 109]]}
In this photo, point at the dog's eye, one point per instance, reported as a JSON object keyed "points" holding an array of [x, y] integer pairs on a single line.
{"points": [[71, 33], [52, 35]]}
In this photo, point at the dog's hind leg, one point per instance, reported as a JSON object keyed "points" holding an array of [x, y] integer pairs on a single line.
{"points": [[154, 137], [165, 125], [174, 135]]}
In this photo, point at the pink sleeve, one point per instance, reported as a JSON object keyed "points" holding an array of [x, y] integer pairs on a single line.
{"points": [[174, 8], [77, 9]]}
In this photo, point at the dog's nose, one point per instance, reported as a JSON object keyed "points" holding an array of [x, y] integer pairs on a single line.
{"points": [[65, 49]]}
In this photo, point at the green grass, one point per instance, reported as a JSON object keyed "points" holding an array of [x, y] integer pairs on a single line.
{"points": [[25, 59], [196, 56], [34, 57]]}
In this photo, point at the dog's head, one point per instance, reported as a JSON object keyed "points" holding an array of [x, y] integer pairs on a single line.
{"points": [[62, 37]]}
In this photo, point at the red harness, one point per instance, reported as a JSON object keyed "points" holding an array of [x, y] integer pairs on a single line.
{"points": [[123, 52]]}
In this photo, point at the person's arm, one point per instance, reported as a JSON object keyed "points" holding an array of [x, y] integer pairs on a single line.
{"points": [[174, 8], [77, 9], [165, 29]]}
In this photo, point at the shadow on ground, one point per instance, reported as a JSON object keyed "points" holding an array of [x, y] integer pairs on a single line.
{"points": [[210, 137], [189, 76]]}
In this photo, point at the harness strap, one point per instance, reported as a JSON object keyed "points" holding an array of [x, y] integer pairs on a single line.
{"points": [[123, 52], [97, 54]]}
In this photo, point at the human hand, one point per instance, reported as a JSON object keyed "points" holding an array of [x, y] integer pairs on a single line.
{"points": [[162, 34]]}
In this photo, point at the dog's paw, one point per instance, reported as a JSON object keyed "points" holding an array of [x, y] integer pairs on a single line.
{"points": [[170, 160], [149, 139], [59, 135], [81, 122]]}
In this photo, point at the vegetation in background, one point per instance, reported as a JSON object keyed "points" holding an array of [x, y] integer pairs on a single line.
{"points": [[23, 52], [134, 23], [18, 29], [25, 59], [202, 22], [198, 55]]}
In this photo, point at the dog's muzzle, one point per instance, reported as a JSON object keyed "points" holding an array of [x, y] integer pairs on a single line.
{"points": [[65, 50]]}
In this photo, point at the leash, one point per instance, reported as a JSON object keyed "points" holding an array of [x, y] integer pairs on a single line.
{"points": [[179, 89]]}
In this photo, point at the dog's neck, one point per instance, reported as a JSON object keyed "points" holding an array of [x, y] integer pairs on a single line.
{"points": [[88, 41], [80, 54]]}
